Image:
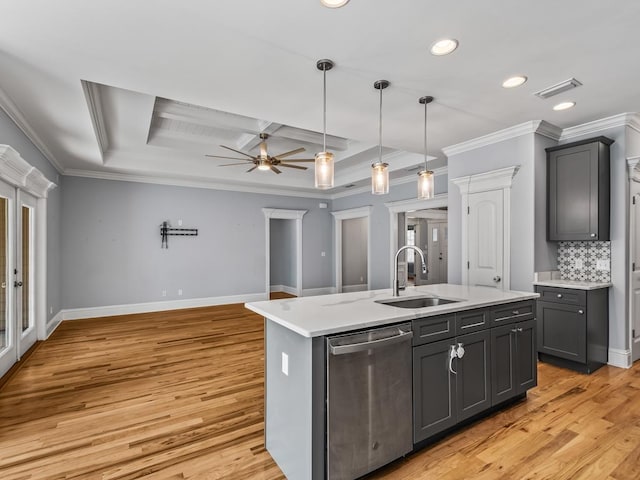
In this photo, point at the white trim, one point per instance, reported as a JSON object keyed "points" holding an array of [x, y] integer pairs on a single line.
{"points": [[41, 267], [12, 110], [403, 206], [540, 127], [280, 213], [633, 169], [94, 103], [283, 288], [621, 120], [52, 324], [619, 358], [113, 310], [312, 292], [355, 288], [500, 179], [16, 171], [339, 217]]}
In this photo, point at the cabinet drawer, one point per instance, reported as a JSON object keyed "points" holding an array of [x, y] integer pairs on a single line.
{"points": [[566, 296], [512, 312], [431, 329], [472, 321]]}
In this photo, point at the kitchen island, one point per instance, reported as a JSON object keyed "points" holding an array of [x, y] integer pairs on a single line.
{"points": [[496, 327]]}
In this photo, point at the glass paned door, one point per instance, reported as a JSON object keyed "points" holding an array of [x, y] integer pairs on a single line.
{"points": [[8, 351], [24, 273]]}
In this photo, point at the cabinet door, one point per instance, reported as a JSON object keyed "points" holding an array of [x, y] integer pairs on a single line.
{"points": [[473, 378], [562, 331], [503, 363], [434, 400], [526, 358]]}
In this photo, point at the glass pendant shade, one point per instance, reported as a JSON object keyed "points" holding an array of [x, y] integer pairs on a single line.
{"points": [[379, 178], [324, 170], [425, 185]]}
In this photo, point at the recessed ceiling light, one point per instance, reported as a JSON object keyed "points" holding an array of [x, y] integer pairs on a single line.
{"points": [[334, 3], [514, 81], [563, 106], [444, 47]]}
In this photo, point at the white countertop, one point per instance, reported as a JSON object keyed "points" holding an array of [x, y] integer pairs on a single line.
{"points": [[329, 314], [575, 284]]}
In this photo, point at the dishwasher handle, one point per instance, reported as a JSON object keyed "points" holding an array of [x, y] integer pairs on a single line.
{"points": [[360, 347]]}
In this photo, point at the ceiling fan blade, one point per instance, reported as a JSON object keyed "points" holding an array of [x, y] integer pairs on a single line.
{"points": [[300, 160], [238, 151], [229, 158], [292, 166], [286, 154], [252, 169], [274, 169], [230, 164]]}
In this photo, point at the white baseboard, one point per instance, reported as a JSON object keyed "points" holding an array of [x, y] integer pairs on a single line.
{"points": [[111, 310], [312, 292], [355, 288], [52, 324], [285, 289], [619, 358]]}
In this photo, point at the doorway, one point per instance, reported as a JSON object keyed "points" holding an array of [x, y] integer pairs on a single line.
{"points": [[17, 274], [428, 230], [352, 230], [282, 261], [634, 231]]}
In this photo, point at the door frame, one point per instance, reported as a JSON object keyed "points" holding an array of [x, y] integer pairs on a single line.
{"points": [[633, 167], [404, 206], [338, 217], [283, 214], [500, 179]]}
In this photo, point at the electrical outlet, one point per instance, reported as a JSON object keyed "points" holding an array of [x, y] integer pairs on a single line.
{"points": [[180, 222], [164, 293], [323, 254], [602, 265], [577, 263], [50, 310], [285, 363], [179, 292], [362, 279]]}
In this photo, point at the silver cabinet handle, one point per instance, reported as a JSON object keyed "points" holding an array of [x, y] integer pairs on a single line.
{"points": [[360, 347], [460, 350], [593, 235], [514, 330], [519, 329], [453, 353], [516, 312], [580, 312], [559, 295]]}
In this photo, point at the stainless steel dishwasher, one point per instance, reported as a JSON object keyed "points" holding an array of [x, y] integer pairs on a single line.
{"points": [[369, 392]]}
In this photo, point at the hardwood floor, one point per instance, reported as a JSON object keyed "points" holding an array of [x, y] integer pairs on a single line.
{"points": [[179, 395]]}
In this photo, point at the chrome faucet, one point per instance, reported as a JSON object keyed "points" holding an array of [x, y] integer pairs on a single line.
{"points": [[396, 282]]}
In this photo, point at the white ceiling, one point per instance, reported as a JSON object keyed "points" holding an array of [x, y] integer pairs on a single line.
{"points": [[195, 62]]}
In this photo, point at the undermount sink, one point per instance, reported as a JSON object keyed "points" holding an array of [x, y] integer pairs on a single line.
{"points": [[417, 302]]}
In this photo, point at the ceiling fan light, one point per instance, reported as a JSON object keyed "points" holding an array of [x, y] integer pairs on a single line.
{"points": [[379, 178], [425, 185], [324, 170], [264, 165]]}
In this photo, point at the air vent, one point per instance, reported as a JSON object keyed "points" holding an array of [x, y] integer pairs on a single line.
{"points": [[413, 169], [558, 88], [351, 185]]}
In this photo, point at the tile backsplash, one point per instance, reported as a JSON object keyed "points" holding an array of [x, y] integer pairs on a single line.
{"points": [[590, 261]]}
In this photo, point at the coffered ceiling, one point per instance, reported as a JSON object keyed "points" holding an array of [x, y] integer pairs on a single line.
{"points": [[145, 89]]}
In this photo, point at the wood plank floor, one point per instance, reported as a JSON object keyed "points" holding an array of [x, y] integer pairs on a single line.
{"points": [[179, 395]]}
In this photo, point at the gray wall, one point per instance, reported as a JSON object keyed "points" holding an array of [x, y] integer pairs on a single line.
{"points": [[354, 251], [282, 246], [111, 251], [546, 253], [11, 135], [380, 270]]}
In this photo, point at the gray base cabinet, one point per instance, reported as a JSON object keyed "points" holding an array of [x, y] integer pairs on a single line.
{"points": [[573, 327], [464, 364]]}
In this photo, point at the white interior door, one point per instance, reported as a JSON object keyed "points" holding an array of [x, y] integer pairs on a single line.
{"points": [[635, 273], [485, 220], [24, 272], [8, 327], [436, 252]]}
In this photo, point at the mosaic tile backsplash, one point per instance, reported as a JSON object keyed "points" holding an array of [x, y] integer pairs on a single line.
{"points": [[579, 261]]}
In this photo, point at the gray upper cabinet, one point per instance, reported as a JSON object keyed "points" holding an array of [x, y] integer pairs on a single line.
{"points": [[578, 190]]}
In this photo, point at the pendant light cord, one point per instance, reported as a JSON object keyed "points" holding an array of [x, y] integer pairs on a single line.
{"points": [[380, 128], [425, 137], [324, 109]]}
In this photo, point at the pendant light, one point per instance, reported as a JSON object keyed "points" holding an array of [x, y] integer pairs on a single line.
{"points": [[425, 177], [379, 170], [324, 159]]}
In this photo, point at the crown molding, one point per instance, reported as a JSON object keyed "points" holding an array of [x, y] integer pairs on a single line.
{"points": [[540, 127], [350, 213], [18, 118], [621, 120], [482, 182], [193, 183], [94, 103], [16, 171]]}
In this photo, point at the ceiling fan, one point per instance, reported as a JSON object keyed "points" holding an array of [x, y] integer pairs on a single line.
{"points": [[264, 161]]}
